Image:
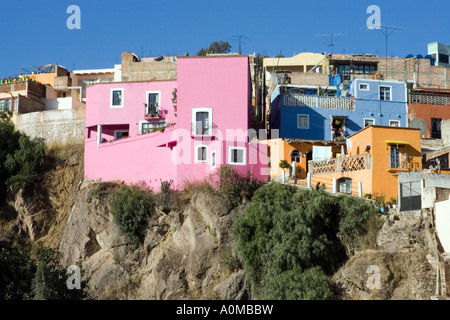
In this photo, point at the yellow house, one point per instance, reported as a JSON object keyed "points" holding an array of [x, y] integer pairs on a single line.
{"points": [[302, 62], [375, 156]]}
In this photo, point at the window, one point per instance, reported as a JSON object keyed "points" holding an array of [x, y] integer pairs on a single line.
{"points": [[295, 156], [364, 86], [202, 121], [436, 128], [116, 98], [443, 58], [385, 93], [153, 102], [120, 134], [5, 104], [303, 121], [395, 157], [345, 185], [200, 153], [148, 127], [369, 122], [394, 123], [213, 159], [237, 155]]}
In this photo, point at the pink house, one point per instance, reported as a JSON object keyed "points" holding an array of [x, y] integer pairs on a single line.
{"points": [[180, 130]]}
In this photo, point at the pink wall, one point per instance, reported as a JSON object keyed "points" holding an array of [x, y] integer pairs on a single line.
{"points": [[218, 83], [99, 111]]}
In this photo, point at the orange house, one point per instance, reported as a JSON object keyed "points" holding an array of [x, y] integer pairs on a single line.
{"points": [[375, 156], [298, 151]]}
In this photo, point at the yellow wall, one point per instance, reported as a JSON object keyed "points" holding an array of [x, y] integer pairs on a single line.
{"points": [[301, 59]]}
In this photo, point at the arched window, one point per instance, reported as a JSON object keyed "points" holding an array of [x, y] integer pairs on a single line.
{"points": [[345, 185], [295, 156]]}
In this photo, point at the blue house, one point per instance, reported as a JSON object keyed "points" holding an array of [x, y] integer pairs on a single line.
{"points": [[334, 117]]}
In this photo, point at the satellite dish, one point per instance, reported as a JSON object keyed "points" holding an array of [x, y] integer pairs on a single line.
{"points": [[419, 124]]}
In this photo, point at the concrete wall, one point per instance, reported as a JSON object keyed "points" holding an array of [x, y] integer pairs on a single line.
{"points": [[445, 132], [53, 126], [431, 179], [58, 104], [443, 223]]}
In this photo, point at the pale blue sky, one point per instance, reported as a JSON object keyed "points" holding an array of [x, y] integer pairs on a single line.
{"points": [[35, 33]]}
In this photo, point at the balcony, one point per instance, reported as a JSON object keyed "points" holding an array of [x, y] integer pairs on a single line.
{"points": [[344, 164], [324, 102], [421, 98], [154, 114], [403, 164]]}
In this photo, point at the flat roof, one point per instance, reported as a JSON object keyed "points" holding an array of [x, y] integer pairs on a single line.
{"points": [[93, 71], [386, 127]]}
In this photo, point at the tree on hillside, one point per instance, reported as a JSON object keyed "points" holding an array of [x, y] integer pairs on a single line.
{"points": [[215, 47], [20, 156], [290, 240]]}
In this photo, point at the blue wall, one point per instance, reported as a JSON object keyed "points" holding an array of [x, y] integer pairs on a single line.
{"points": [[367, 105]]}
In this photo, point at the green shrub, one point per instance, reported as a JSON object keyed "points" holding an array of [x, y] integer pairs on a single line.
{"points": [[35, 273], [358, 223], [234, 186], [131, 207]]}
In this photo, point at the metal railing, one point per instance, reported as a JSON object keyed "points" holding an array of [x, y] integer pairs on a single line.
{"points": [[324, 102]]}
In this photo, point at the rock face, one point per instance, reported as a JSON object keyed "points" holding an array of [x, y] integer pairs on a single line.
{"points": [[184, 254], [397, 270]]}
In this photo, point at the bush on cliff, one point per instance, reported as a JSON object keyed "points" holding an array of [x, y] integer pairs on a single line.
{"points": [[131, 207]]}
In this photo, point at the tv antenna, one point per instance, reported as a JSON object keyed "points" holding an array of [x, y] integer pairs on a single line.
{"points": [[332, 39], [387, 31], [239, 38]]}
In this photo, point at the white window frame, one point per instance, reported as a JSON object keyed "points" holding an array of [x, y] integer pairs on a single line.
{"points": [[368, 119], [397, 121], [196, 160], [230, 154], [307, 120], [159, 100], [111, 98], [390, 92], [213, 165], [365, 84], [120, 130], [194, 122]]}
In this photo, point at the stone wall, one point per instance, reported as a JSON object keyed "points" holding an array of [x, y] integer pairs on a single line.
{"points": [[53, 125]]}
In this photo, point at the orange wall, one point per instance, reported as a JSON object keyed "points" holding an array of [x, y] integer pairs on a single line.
{"points": [[46, 78], [383, 181]]}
